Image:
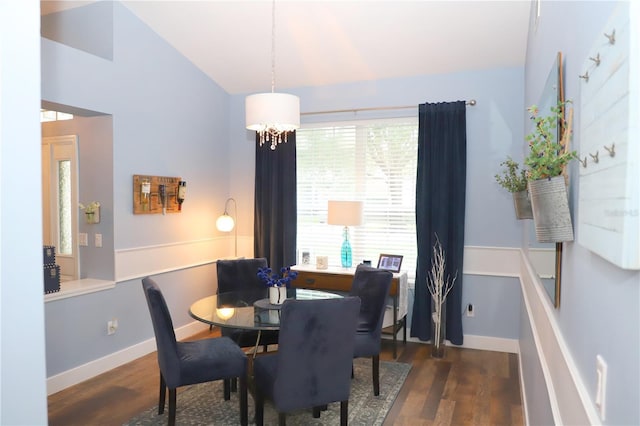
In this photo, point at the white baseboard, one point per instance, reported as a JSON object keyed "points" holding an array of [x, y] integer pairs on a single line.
{"points": [[91, 369], [484, 343], [523, 393]]}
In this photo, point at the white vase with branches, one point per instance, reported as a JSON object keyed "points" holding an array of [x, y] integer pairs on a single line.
{"points": [[439, 286]]}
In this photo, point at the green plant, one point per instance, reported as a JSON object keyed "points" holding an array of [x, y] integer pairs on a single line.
{"points": [[512, 179], [549, 155], [90, 208]]}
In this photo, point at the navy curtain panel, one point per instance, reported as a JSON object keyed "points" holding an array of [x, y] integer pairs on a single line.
{"points": [[275, 215], [440, 203]]}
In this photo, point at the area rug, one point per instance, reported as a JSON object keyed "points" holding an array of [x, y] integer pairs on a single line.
{"points": [[204, 405]]}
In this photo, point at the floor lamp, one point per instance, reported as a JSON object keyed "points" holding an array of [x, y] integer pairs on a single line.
{"points": [[226, 223], [345, 213]]}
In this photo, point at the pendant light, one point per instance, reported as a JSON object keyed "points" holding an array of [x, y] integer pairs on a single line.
{"points": [[272, 115]]}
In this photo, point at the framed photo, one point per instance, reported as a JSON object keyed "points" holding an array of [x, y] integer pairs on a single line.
{"points": [[390, 262], [305, 257]]}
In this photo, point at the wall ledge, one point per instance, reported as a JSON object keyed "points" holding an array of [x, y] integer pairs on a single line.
{"points": [[569, 397], [78, 288]]}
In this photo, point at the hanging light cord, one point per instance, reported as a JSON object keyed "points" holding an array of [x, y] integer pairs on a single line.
{"points": [[273, 47]]}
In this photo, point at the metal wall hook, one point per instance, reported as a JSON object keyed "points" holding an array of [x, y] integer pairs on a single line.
{"points": [[596, 59], [583, 162], [612, 37], [595, 157], [585, 76], [612, 150]]}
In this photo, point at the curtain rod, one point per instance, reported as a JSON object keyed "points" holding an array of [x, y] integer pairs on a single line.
{"points": [[471, 102]]}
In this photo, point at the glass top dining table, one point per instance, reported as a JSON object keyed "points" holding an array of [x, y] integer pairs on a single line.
{"points": [[248, 310]]}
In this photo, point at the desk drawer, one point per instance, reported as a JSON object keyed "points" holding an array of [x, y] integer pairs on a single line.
{"points": [[323, 281], [329, 281]]}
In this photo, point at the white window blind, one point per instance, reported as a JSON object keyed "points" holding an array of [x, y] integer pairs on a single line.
{"points": [[369, 161]]}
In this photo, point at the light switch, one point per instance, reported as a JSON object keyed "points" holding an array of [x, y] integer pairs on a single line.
{"points": [[83, 239], [98, 240]]}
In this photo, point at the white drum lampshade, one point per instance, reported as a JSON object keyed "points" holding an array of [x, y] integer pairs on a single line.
{"points": [[272, 111], [345, 213]]}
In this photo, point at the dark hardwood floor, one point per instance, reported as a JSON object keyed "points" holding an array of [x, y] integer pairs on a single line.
{"points": [[468, 387]]}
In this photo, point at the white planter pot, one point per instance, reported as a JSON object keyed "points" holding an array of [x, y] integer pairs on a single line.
{"points": [[93, 217], [550, 206], [277, 295]]}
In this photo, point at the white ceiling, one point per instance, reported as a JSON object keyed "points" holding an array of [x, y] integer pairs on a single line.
{"points": [[328, 42]]}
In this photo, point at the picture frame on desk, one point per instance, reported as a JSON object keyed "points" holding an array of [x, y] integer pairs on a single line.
{"points": [[390, 262]]}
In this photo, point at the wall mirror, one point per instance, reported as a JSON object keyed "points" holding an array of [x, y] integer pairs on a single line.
{"points": [[546, 258]]}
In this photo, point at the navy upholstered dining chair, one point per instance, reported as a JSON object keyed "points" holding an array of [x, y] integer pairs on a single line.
{"points": [[242, 275], [312, 366], [372, 286], [188, 363]]}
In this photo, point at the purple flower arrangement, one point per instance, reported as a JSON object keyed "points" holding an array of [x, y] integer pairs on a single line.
{"points": [[272, 279]]}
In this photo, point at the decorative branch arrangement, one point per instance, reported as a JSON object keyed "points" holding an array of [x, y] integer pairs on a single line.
{"points": [[439, 286]]}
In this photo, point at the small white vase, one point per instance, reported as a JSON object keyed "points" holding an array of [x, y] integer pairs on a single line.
{"points": [[277, 295]]}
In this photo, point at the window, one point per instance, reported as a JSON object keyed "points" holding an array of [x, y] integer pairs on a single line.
{"points": [[60, 201], [370, 161], [65, 234]]}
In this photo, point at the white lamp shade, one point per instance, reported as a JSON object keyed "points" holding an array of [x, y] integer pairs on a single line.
{"points": [[225, 223], [345, 213], [272, 110]]}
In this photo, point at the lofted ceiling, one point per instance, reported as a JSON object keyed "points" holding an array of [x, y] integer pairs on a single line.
{"points": [[328, 42]]}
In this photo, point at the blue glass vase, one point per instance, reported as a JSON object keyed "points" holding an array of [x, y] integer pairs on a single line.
{"points": [[345, 251]]}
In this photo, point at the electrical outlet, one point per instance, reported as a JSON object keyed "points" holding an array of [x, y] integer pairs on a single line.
{"points": [[112, 326], [470, 310]]}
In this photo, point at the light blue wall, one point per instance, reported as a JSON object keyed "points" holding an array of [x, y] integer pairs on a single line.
{"points": [[76, 327], [600, 303], [88, 29], [169, 119], [22, 369], [494, 130]]}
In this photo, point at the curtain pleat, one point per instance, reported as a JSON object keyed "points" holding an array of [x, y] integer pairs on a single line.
{"points": [[275, 220], [440, 204]]}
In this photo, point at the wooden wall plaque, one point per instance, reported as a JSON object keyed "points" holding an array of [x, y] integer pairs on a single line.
{"points": [[152, 204]]}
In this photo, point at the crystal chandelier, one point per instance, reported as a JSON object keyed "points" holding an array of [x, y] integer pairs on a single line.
{"points": [[272, 115]]}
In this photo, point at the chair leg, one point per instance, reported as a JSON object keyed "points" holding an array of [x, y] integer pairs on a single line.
{"points": [[375, 367], [259, 406], [226, 389], [244, 416], [172, 407], [316, 412], [234, 385], [282, 419], [344, 412], [163, 395]]}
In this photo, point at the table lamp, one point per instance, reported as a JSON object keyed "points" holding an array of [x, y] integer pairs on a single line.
{"points": [[345, 213]]}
